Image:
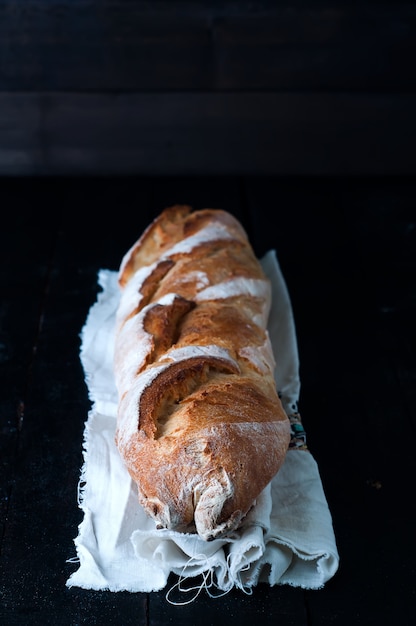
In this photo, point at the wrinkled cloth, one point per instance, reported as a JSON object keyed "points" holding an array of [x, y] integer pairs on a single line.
{"points": [[287, 537]]}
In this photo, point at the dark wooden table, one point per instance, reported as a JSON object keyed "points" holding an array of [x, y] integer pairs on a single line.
{"points": [[347, 248], [292, 87]]}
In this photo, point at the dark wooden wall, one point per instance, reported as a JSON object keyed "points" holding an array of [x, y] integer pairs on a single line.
{"points": [[207, 87]]}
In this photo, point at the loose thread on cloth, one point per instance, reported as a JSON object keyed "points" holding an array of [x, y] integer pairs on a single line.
{"points": [[207, 583]]}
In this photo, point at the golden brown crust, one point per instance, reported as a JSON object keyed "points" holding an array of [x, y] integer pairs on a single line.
{"points": [[200, 425]]}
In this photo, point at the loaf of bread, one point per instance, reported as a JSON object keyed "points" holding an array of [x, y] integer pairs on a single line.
{"points": [[200, 425]]}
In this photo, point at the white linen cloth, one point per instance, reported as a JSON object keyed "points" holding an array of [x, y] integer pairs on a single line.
{"points": [[288, 536]]}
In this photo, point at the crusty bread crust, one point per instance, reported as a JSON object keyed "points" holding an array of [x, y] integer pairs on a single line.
{"points": [[200, 425]]}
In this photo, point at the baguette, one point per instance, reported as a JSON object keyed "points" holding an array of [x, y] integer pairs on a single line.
{"points": [[200, 425]]}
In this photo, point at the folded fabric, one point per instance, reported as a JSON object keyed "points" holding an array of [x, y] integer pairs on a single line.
{"points": [[287, 538]]}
